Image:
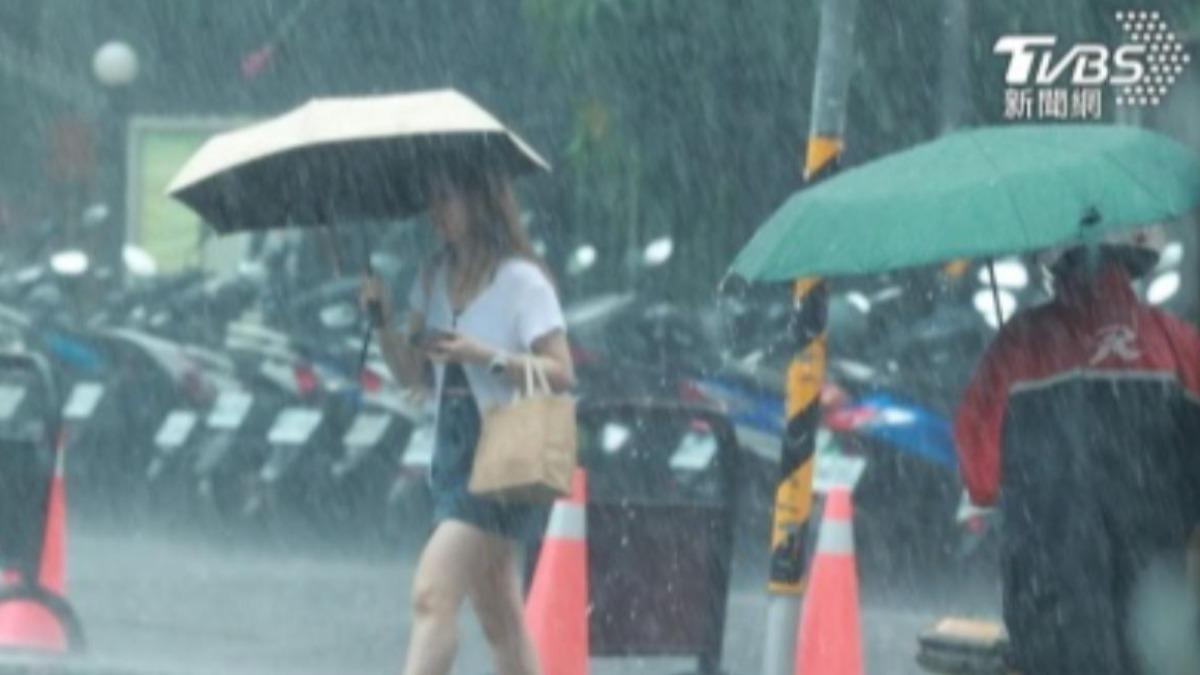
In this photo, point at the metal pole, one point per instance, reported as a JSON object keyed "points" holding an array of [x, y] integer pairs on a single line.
{"points": [[956, 21], [954, 83], [806, 374], [116, 166]]}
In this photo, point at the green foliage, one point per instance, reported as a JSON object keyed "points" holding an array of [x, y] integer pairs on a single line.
{"points": [[672, 99], [690, 115]]}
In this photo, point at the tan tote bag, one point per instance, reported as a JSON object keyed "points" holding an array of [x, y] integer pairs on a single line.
{"points": [[526, 450]]}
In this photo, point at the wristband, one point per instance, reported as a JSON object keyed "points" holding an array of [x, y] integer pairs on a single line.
{"points": [[498, 364]]}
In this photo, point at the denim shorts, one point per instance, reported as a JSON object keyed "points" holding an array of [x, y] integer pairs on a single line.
{"points": [[454, 453]]}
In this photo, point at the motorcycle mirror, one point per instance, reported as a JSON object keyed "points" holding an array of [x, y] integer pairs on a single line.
{"points": [[69, 263], [386, 264], [859, 301], [658, 252], [338, 316], [138, 261], [582, 260], [1163, 288], [1172, 255]]}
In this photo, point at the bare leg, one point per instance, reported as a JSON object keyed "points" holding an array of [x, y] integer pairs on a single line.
{"points": [[448, 568], [496, 595]]}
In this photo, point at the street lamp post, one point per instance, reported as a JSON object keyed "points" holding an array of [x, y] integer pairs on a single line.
{"points": [[115, 65]]}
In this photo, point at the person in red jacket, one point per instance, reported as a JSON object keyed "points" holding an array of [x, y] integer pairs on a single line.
{"points": [[1081, 423]]}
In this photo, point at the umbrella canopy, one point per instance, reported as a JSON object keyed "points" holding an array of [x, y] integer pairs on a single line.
{"points": [[332, 159], [976, 193]]}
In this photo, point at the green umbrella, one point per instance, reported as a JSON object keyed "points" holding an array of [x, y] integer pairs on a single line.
{"points": [[973, 194]]}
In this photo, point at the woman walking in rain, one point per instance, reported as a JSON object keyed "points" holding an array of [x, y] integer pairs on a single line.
{"points": [[482, 307]]}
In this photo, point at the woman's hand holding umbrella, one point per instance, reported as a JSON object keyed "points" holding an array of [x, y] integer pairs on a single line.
{"points": [[408, 366], [374, 301], [435, 345]]}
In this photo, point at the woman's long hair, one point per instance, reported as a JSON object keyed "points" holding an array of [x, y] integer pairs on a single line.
{"points": [[495, 218]]}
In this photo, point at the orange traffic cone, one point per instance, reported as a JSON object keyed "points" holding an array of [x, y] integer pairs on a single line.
{"points": [[27, 624], [26, 620], [53, 573], [830, 640], [556, 612]]}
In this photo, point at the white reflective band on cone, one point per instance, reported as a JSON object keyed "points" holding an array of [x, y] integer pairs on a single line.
{"points": [[837, 536], [567, 521]]}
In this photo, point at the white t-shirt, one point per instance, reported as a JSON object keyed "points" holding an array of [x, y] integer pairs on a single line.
{"points": [[514, 311]]}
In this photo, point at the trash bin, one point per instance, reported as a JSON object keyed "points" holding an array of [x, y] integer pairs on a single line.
{"points": [[660, 516], [29, 420]]}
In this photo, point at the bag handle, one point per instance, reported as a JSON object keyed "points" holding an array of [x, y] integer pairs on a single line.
{"points": [[535, 373]]}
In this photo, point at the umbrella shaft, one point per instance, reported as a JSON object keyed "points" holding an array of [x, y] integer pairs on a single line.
{"points": [[362, 354], [991, 264]]}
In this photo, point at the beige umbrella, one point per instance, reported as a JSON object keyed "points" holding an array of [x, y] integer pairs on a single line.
{"points": [[343, 159]]}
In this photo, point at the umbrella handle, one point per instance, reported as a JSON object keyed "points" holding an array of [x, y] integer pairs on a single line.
{"points": [[374, 307], [366, 347], [375, 312], [375, 315]]}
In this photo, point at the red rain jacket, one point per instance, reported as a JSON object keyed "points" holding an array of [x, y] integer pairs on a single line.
{"points": [[1096, 335]]}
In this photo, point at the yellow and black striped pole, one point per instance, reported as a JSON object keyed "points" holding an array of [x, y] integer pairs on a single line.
{"points": [[805, 376], [793, 495], [806, 373]]}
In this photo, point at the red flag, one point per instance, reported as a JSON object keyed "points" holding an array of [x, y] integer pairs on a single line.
{"points": [[257, 61]]}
